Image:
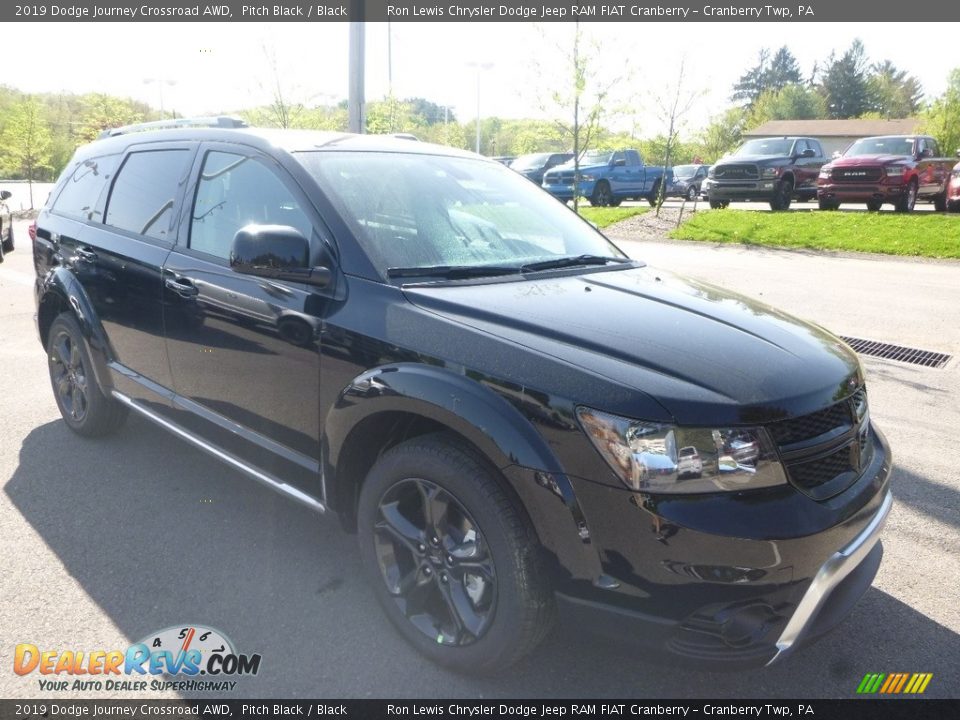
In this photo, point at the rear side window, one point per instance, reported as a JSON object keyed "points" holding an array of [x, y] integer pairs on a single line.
{"points": [[145, 191], [84, 192]]}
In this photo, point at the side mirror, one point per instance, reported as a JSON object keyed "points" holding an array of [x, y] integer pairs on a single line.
{"points": [[6, 194], [278, 252], [809, 153]]}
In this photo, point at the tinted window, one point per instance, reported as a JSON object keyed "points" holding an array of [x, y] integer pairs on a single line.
{"points": [[144, 192], [234, 191], [816, 147], [84, 193]]}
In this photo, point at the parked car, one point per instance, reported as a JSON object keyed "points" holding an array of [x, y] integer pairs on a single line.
{"points": [[607, 178], [491, 394], [895, 169], [953, 189], [686, 180], [775, 170], [6, 224], [535, 165]]}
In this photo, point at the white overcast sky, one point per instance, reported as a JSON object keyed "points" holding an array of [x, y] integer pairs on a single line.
{"points": [[211, 67]]}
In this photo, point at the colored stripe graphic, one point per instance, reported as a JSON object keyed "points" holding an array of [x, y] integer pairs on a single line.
{"points": [[894, 683]]}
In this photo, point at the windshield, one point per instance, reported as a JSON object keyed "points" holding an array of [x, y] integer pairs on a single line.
{"points": [[425, 211], [765, 146], [881, 146], [596, 157], [527, 162], [685, 171]]}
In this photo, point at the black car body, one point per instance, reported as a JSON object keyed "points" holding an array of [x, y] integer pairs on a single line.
{"points": [[774, 170], [533, 166], [6, 224], [243, 289]]}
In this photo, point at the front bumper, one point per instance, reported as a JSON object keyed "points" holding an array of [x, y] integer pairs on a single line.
{"points": [[740, 189], [564, 191], [727, 580], [843, 193]]}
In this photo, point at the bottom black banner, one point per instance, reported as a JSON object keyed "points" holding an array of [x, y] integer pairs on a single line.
{"points": [[851, 709]]}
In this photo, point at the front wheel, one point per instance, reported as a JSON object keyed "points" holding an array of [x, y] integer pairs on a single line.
{"points": [[909, 200], [940, 202], [84, 406], [782, 195], [602, 197], [874, 205], [452, 558], [8, 243], [654, 195], [692, 193]]}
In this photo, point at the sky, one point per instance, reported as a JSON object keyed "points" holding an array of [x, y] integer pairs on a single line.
{"points": [[204, 68]]}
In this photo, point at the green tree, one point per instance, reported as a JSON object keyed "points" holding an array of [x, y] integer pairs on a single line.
{"points": [[770, 73], [792, 102], [25, 141], [893, 93], [723, 134], [942, 118], [844, 83], [101, 112]]}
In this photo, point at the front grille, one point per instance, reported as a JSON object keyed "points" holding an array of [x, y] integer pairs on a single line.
{"points": [[823, 468], [564, 178], [736, 172], [865, 189], [856, 174]]}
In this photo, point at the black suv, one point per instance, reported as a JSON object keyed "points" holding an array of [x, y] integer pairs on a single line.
{"points": [[474, 380], [776, 170]]}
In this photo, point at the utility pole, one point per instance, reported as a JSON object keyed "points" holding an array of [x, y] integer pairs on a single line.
{"points": [[356, 103]]}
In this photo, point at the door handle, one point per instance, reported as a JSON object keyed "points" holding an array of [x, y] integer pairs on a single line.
{"points": [[86, 254], [182, 287]]}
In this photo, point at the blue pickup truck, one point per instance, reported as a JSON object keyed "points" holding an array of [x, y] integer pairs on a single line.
{"points": [[607, 178]]}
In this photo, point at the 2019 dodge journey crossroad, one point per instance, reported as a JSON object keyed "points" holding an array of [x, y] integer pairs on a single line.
{"points": [[515, 418]]}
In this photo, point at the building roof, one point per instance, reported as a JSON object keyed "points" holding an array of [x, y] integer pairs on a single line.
{"points": [[835, 128]]}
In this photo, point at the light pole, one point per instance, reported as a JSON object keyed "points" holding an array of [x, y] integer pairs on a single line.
{"points": [[480, 67], [160, 83]]}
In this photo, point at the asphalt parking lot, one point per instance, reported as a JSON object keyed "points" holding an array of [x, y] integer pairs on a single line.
{"points": [[106, 541]]}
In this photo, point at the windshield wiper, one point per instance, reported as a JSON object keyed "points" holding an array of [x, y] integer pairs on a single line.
{"points": [[571, 262], [452, 272]]}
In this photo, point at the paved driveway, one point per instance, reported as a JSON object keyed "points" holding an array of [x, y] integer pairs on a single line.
{"points": [[103, 542]]}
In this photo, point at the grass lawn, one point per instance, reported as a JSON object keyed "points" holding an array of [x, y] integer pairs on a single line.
{"points": [[604, 216], [924, 234]]}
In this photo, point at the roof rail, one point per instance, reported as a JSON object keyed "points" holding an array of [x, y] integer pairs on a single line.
{"points": [[217, 121]]}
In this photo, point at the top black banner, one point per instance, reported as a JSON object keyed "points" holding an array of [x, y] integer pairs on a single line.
{"points": [[483, 11]]}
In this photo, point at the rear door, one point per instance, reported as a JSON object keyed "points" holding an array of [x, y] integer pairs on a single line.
{"points": [[244, 350]]}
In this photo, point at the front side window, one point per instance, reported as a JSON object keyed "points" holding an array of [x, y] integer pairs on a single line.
{"points": [[235, 191], [424, 211], [84, 192], [145, 191]]}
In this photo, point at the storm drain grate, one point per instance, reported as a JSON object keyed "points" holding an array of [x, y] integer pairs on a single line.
{"points": [[914, 356]]}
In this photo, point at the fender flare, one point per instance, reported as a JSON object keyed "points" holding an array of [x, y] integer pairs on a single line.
{"points": [[61, 287]]}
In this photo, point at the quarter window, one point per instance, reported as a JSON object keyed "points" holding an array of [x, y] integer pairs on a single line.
{"points": [[234, 191], [145, 191], [84, 193]]}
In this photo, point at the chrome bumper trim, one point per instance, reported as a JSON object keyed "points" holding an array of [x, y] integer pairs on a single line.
{"points": [[831, 574]]}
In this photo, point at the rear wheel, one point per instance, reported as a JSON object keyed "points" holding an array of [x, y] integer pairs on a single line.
{"points": [[8, 243], [654, 194], [83, 405], [940, 202], [451, 556]]}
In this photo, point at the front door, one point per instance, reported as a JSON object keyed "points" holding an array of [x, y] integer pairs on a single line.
{"points": [[244, 350]]}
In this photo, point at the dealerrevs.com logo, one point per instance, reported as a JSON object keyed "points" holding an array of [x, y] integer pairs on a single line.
{"points": [[183, 658]]}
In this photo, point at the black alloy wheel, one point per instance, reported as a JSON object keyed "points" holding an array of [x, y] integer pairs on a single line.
{"points": [[692, 193], [452, 556], [602, 197], [84, 406], [783, 195], [719, 204], [435, 562], [909, 200]]}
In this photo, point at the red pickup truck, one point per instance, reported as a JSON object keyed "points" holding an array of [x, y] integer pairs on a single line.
{"points": [[896, 169]]}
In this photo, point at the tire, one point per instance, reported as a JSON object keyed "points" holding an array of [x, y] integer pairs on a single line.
{"points": [[782, 195], [940, 202], [719, 204], [602, 196], [874, 205], [8, 243], [692, 193], [828, 204], [507, 605], [654, 194], [85, 408], [953, 206], [909, 200], [615, 202]]}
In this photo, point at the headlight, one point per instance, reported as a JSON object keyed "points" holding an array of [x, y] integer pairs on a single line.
{"points": [[955, 174], [657, 458], [771, 172], [825, 171], [895, 171], [587, 178], [711, 173]]}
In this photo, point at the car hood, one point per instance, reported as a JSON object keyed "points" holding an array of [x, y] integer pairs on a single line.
{"points": [[733, 160], [705, 354], [868, 160]]}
